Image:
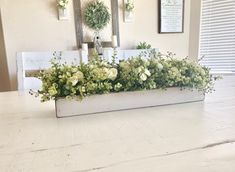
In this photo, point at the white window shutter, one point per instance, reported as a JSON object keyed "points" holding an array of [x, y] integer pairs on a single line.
{"points": [[217, 39]]}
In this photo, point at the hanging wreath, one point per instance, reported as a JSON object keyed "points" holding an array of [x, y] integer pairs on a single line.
{"points": [[96, 15]]}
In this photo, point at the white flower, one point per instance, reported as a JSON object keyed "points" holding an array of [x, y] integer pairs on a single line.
{"points": [[117, 87], [63, 3], [124, 65], [139, 69], [91, 66], [143, 58], [159, 66], [74, 70], [105, 70], [73, 80], [143, 77], [104, 73], [147, 72], [52, 91], [112, 74], [174, 70], [202, 72], [83, 89], [78, 76], [104, 63]]}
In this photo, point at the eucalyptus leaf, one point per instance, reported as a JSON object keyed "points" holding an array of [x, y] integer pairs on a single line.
{"points": [[96, 15]]}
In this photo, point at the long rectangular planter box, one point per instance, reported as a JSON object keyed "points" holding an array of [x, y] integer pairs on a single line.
{"points": [[125, 100]]}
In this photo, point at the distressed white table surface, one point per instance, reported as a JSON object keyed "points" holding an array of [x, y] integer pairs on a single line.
{"points": [[188, 137]]}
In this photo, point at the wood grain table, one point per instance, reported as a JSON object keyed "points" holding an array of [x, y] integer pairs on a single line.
{"points": [[195, 137]]}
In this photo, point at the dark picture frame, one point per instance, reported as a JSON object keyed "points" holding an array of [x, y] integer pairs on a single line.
{"points": [[79, 24], [169, 18]]}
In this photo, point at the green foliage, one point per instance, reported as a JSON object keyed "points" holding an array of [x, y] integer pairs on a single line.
{"points": [[129, 6], [143, 45], [62, 3], [157, 71], [96, 15]]}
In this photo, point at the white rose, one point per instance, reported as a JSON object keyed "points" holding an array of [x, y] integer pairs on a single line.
{"points": [[112, 74], [203, 72], [91, 66], [140, 69], [174, 69], [52, 91], [147, 72], [159, 66], [79, 75], [143, 77], [73, 80], [105, 71]]}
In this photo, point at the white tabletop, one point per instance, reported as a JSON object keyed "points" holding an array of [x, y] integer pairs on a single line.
{"points": [[188, 137]]}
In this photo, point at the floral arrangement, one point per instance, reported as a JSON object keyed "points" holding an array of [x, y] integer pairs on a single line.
{"points": [[98, 76], [143, 45], [129, 6], [62, 4], [96, 15]]}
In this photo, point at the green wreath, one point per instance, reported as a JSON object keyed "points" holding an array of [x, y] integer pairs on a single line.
{"points": [[96, 15]]}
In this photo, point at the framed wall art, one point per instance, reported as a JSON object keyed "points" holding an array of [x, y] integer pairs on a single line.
{"points": [[171, 16]]}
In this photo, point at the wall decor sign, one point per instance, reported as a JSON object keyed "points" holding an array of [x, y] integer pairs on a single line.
{"points": [[129, 7], [63, 9], [171, 16]]}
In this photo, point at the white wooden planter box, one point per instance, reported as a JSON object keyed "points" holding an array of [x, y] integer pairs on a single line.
{"points": [[125, 100]]}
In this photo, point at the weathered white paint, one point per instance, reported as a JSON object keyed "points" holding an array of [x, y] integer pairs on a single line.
{"points": [[125, 100], [158, 139], [31, 61]]}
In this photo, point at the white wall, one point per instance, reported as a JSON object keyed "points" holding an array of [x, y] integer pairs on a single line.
{"points": [[32, 25], [145, 28], [195, 29]]}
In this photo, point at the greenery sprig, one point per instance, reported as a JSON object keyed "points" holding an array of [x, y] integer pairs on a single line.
{"points": [[143, 45], [98, 76], [129, 6], [62, 3], [96, 15]]}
